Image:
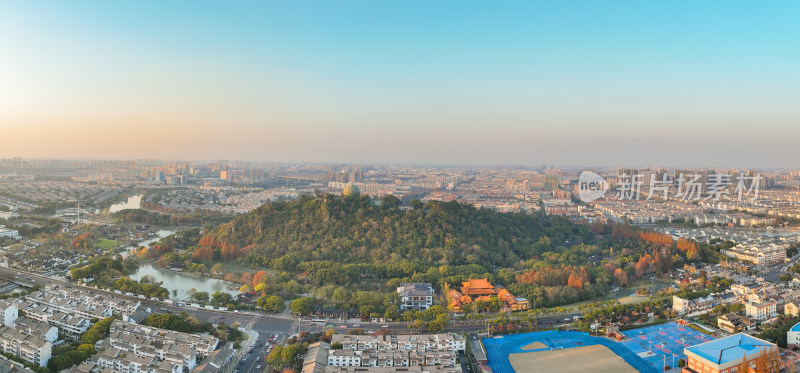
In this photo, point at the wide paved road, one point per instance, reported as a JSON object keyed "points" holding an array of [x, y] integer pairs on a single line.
{"points": [[774, 273]]}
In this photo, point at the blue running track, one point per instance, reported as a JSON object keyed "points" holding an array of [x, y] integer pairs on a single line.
{"points": [[498, 349]]}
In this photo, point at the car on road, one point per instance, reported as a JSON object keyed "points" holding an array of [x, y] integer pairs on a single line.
{"points": [[258, 366]]}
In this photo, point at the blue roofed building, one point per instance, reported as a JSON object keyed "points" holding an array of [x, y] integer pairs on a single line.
{"points": [[793, 337], [726, 355]]}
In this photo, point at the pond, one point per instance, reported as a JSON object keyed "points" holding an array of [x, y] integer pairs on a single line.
{"points": [[183, 282]]}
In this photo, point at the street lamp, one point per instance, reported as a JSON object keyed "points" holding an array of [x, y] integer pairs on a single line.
{"points": [[298, 323]]}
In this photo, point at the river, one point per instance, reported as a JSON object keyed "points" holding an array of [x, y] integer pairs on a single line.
{"points": [[176, 280], [133, 202]]}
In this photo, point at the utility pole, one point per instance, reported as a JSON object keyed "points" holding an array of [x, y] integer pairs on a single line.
{"points": [[298, 324]]}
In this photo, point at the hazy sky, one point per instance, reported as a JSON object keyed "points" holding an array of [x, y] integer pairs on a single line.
{"points": [[691, 83]]}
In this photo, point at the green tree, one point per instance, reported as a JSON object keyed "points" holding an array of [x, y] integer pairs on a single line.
{"points": [[200, 297], [366, 310], [274, 304], [392, 313], [218, 269], [221, 299], [439, 324], [303, 306]]}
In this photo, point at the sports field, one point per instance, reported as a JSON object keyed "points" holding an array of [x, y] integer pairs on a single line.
{"points": [[563, 352], [644, 350], [663, 343], [594, 358]]}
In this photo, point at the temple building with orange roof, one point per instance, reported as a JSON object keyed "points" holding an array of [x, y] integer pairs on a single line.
{"points": [[476, 290]]}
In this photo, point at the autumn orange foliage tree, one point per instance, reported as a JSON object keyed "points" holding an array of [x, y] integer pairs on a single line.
{"points": [[555, 276], [657, 238], [203, 253]]}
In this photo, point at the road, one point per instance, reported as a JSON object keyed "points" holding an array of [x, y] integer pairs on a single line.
{"points": [[262, 346], [774, 273], [455, 326]]}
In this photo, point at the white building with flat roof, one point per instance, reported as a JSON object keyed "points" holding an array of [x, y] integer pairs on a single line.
{"points": [[762, 254], [761, 311], [6, 232]]}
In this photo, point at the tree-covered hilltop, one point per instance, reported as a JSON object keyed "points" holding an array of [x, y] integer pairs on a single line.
{"points": [[352, 229]]}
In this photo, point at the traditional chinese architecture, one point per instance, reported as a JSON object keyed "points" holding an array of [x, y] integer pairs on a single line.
{"points": [[476, 290]]}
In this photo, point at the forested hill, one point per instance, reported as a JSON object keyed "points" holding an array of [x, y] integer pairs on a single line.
{"points": [[352, 229]]}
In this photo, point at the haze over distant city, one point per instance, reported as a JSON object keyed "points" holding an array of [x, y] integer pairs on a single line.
{"points": [[621, 83]]}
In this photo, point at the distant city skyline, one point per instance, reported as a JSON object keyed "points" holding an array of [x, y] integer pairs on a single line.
{"points": [[617, 83]]}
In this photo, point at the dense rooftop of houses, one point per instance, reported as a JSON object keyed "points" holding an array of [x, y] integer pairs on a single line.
{"points": [[435, 353]]}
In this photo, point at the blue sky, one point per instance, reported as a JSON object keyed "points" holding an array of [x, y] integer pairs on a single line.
{"points": [[684, 83]]}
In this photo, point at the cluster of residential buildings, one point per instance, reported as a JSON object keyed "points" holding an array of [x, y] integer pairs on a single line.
{"points": [[57, 309], [763, 303], [221, 199], [57, 191], [761, 254], [755, 247], [25, 338], [137, 348], [736, 235], [434, 353], [63, 310]]}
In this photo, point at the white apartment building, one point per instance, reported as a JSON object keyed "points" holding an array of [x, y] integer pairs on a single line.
{"points": [[69, 323], [83, 302], [180, 348], [119, 361], [30, 348], [761, 311], [758, 254], [6, 232], [415, 296], [684, 306], [9, 313], [38, 328], [396, 350]]}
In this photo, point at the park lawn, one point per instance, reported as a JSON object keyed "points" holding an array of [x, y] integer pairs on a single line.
{"points": [[103, 243]]}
